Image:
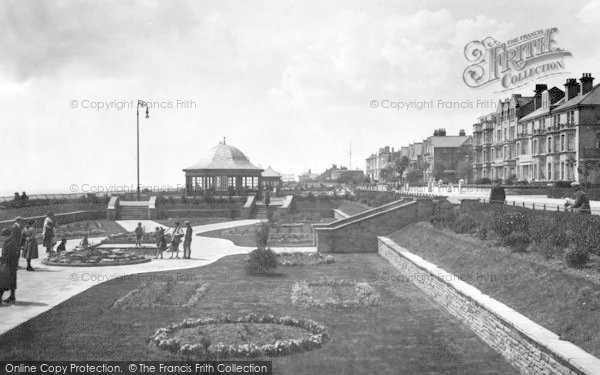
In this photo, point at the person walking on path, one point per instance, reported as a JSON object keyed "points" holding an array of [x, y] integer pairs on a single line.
{"points": [[84, 243], [48, 232], [10, 257], [30, 250], [176, 240], [187, 242], [581, 204], [139, 233], [497, 194], [161, 242]]}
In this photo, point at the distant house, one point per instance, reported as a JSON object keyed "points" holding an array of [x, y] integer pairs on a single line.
{"points": [[308, 176], [377, 161], [444, 154], [271, 179]]}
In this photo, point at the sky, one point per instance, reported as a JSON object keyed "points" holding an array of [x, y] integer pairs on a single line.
{"points": [[290, 83]]}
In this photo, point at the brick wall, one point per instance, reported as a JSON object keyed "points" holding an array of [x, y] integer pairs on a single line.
{"points": [[528, 346], [358, 234]]}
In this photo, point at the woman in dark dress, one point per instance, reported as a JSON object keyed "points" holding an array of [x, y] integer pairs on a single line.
{"points": [[10, 256], [30, 250]]}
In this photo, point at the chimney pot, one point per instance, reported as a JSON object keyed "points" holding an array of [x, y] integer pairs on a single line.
{"points": [[571, 88], [587, 83]]}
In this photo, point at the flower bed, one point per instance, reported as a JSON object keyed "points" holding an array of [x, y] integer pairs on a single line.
{"points": [[328, 292], [163, 295], [95, 257], [303, 259], [247, 336]]}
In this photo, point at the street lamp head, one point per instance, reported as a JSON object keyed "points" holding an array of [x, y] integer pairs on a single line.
{"points": [[147, 112]]}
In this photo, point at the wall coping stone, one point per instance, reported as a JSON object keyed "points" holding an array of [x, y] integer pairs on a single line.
{"points": [[567, 351], [357, 218], [341, 213]]}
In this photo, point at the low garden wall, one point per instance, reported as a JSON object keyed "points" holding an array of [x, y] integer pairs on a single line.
{"points": [[529, 347], [189, 213], [358, 233], [63, 218]]}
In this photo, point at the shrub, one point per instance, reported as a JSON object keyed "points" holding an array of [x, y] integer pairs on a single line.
{"points": [[483, 181], [262, 235], [508, 223], [562, 184], [260, 262], [444, 215], [464, 223], [518, 241], [576, 257]]}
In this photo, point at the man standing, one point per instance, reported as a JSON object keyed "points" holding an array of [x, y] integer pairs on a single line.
{"points": [[139, 233], [48, 232], [187, 241], [10, 256], [497, 194], [581, 204]]}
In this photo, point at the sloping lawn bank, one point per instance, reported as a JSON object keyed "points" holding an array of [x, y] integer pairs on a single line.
{"points": [[560, 300], [352, 208], [407, 334]]}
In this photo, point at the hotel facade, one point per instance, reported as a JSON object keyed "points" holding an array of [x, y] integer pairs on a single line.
{"points": [[553, 135]]}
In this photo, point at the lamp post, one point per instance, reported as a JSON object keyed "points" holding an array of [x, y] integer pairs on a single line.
{"points": [[140, 103]]}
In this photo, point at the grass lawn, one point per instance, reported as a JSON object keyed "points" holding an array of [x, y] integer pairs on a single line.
{"points": [[287, 234], [353, 208], [408, 334], [10, 213], [565, 301]]}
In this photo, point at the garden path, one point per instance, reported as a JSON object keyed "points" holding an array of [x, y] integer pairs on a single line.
{"points": [[49, 286]]}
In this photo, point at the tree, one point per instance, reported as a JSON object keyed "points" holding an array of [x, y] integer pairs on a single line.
{"points": [[463, 169]]}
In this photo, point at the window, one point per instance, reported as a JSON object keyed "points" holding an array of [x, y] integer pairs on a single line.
{"points": [[549, 144], [562, 142], [549, 170], [571, 142]]}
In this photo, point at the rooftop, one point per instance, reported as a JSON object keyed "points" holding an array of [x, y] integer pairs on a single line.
{"points": [[223, 156]]}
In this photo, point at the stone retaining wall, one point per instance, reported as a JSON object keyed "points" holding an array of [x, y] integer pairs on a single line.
{"points": [[529, 347], [217, 213], [358, 233], [62, 218]]}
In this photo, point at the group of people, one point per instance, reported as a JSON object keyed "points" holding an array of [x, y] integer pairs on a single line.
{"points": [[21, 242], [161, 240]]}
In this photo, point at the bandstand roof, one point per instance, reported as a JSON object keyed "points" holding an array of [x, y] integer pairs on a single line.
{"points": [[223, 157], [271, 173]]}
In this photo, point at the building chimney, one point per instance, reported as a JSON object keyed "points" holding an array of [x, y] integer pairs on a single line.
{"points": [[461, 132], [537, 98], [571, 88], [587, 82]]}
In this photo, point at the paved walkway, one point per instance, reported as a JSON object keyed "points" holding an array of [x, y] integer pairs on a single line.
{"points": [[48, 286], [539, 202]]}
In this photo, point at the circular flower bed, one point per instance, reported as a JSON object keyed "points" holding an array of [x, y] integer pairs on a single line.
{"points": [[163, 295], [328, 292], [303, 259], [95, 257], [247, 336]]}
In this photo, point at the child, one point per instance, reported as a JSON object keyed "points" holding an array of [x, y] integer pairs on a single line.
{"points": [[177, 234], [62, 246], [161, 243], [139, 233], [84, 244]]}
